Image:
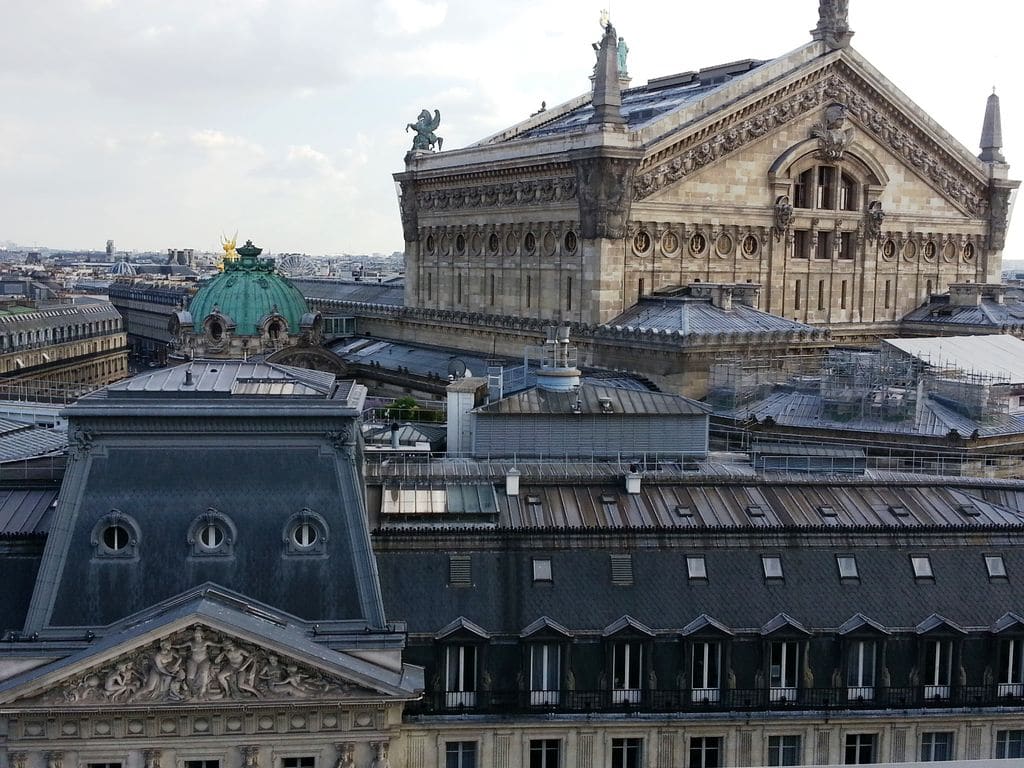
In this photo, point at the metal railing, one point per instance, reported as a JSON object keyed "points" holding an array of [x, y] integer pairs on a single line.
{"points": [[726, 700]]}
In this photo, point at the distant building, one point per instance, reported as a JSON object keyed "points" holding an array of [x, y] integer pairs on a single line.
{"points": [[52, 350]]}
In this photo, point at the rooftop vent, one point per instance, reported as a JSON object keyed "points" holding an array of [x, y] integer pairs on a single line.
{"points": [[899, 510], [755, 510], [605, 403], [460, 571], [622, 570], [684, 512], [512, 482], [968, 510], [826, 510]]}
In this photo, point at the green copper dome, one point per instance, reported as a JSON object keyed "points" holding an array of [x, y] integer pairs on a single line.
{"points": [[248, 291]]}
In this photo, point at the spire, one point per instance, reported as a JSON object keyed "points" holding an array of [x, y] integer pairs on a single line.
{"points": [[607, 92], [992, 133], [833, 23]]}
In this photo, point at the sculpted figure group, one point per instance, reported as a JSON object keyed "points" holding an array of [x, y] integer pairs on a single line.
{"points": [[197, 664]]}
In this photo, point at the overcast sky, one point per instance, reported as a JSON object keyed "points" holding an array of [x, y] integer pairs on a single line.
{"points": [[163, 123]]}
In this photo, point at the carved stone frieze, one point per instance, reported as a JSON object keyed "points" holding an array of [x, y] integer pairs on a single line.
{"points": [[196, 664], [504, 195], [831, 84], [605, 189], [904, 140]]}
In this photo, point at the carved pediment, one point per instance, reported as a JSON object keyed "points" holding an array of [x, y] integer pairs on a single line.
{"points": [[849, 99], [196, 664]]}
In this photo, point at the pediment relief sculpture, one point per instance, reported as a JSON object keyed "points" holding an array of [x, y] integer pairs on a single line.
{"points": [[852, 103], [196, 664]]}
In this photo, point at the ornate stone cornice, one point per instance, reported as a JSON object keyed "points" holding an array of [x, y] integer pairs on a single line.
{"points": [[864, 105], [522, 192]]}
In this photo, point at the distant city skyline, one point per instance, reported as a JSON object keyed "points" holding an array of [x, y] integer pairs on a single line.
{"points": [[165, 125]]}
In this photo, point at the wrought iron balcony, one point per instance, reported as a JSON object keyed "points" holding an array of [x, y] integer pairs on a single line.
{"points": [[717, 700]]}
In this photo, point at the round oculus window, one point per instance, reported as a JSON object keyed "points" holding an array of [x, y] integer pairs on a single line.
{"points": [[211, 536], [305, 535], [570, 241], [116, 537]]}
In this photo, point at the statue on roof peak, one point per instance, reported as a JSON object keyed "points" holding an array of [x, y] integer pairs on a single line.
{"points": [[425, 125], [833, 23]]}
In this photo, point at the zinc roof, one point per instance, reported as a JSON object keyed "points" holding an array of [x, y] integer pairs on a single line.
{"points": [[688, 315], [1000, 356], [26, 510], [589, 399]]}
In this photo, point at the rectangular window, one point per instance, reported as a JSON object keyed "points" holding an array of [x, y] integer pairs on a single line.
{"points": [[705, 752], [861, 748], [847, 193], [430, 287], [826, 183], [103, 765], [922, 565], [797, 295], [860, 670], [202, 764], [938, 668], [460, 676], [545, 753], [784, 750], [1009, 744], [492, 290], [1011, 668], [995, 566], [842, 295], [696, 568], [545, 673], [627, 658], [529, 291], [706, 671], [627, 753], [936, 746], [846, 245], [847, 565], [568, 293], [801, 244], [458, 282], [640, 288], [298, 762], [772, 565], [888, 293], [802, 189], [821, 295], [824, 247], [460, 754], [782, 670], [542, 569]]}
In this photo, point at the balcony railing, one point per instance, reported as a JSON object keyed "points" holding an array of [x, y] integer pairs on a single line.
{"points": [[717, 700]]}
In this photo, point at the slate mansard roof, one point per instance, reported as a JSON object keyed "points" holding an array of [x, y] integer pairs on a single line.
{"points": [[579, 521], [251, 447]]}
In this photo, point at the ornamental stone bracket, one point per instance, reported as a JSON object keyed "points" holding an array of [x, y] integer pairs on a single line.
{"points": [[605, 187], [999, 212], [409, 210]]}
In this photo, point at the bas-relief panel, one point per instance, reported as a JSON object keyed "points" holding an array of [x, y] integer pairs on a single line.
{"points": [[195, 665], [741, 179]]}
